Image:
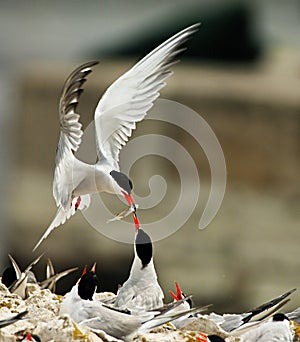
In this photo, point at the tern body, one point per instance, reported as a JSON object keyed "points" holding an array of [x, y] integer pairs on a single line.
{"points": [[80, 304], [125, 102], [141, 291], [278, 329]]}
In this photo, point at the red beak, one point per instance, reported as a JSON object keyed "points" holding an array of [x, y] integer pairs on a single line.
{"points": [[131, 203], [177, 296], [29, 337], [202, 337], [84, 270]]}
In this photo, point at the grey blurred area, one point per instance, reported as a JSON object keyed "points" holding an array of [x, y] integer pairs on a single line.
{"points": [[241, 73]]}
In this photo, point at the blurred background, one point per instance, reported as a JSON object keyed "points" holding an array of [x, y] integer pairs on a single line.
{"points": [[241, 72]]}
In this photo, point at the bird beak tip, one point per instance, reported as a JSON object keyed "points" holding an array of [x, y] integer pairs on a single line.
{"points": [[93, 269]]}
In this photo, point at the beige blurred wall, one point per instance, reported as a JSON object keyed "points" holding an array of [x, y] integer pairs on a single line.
{"points": [[249, 253]]}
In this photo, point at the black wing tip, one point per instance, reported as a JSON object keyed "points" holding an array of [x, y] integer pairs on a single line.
{"points": [[72, 87], [190, 29], [20, 315], [268, 305], [88, 64], [84, 68]]}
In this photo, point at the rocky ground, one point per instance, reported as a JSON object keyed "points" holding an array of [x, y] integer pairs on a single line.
{"points": [[44, 321]]}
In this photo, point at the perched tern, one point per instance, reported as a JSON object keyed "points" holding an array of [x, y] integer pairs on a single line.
{"points": [[276, 329], [236, 324], [180, 295], [186, 305], [239, 322], [141, 291], [81, 306], [124, 103]]}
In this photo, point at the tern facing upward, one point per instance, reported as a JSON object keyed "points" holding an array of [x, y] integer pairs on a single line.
{"points": [[141, 291], [124, 103]]}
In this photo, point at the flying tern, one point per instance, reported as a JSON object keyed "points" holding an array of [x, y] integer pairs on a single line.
{"points": [[125, 102]]}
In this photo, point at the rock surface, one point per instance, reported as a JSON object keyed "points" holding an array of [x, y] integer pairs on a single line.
{"points": [[43, 320]]}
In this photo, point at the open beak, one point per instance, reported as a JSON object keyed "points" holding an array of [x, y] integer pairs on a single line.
{"points": [[83, 273], [202, 337], [123, 214], [131, 210], [178, 295]]}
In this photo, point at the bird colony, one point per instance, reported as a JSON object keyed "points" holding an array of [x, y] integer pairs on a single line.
{"points": [[32, 311]]}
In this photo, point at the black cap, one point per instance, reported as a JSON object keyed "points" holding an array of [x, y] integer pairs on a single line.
{"points": [[87, 285], [123, 181], [215, 338], [279, 317], [143, 247], [9, 276]]}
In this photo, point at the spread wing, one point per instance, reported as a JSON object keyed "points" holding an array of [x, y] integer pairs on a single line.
{"points": [[70, 133], [129, 98]]}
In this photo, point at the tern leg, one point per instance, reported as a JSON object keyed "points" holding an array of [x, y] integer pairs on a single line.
{"points": [[77, 204]]}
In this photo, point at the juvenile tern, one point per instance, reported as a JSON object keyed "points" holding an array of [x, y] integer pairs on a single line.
{"points": [[124, 103]]}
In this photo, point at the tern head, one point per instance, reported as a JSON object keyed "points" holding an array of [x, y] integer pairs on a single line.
{"points": [[9, 276], [88, 283], [180, 295], [122, 180], [215, 338], [143, 247], [31, 337], [279, 317]]}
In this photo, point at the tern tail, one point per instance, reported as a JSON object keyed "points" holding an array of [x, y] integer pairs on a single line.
{"points": [[63, 215]]}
